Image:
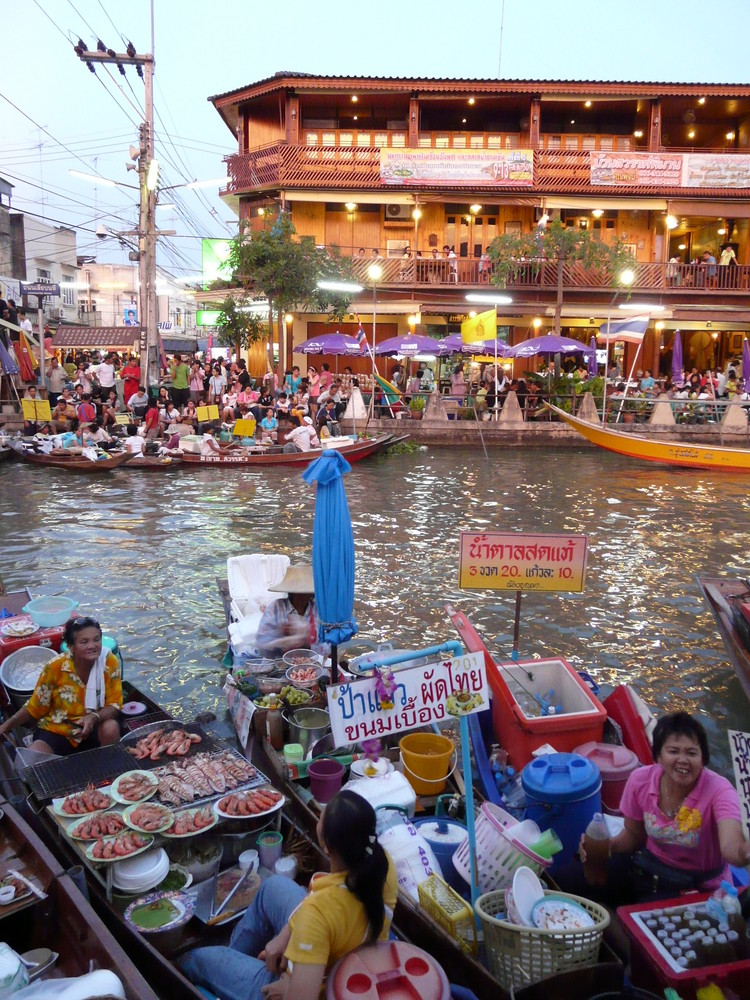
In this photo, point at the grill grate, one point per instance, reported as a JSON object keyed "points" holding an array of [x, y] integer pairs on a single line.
{"points": [[136, 722], [209, 744], [64, 775], [254, 781]]}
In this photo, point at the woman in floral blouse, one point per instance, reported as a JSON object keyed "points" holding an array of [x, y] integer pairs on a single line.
{"points": [[78, 696]]}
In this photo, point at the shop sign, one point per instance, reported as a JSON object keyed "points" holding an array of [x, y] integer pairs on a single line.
{"points": [[516, 561], [421, 696], [449, 167], [40, 288], [739, 748], [241, 709], [670, 170]]}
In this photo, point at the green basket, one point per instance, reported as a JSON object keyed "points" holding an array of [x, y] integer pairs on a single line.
{"points": [[518, 956]]}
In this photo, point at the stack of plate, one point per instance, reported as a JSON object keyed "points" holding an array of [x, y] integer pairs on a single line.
{"points": [[142, 872]]}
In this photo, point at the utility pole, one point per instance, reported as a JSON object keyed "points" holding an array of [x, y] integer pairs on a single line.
{"points": [[147, 172]]}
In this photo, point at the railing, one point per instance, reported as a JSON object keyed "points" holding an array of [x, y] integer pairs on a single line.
{"points": [[347, 166], [685, 279], [444, 139]]}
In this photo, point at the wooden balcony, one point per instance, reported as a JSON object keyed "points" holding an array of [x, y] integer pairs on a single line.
{"points": [[347, 167], [669, 280]]}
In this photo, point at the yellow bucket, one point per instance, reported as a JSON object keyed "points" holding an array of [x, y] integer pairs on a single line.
{"points": [[426, 758]]}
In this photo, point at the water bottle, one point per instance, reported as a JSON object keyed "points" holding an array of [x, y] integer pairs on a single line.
{"points": [[514, 797], [733, 911], [715, 905], [596, 846]]}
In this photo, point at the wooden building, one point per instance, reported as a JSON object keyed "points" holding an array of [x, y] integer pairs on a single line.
{"points": [[377, 165]]}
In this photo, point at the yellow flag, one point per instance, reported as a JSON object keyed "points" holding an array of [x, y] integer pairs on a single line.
{"points": [[481, 327]]}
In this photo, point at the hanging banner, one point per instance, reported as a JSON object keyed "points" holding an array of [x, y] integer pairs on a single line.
{"points": [[515, 561], [420, 696], [739, 748], [449, 167], [670, 170]]}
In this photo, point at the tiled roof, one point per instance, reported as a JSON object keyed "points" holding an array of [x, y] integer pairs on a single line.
{"points": [[96, 336]]}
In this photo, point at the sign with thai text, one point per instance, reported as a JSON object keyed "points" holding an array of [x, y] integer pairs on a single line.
{"points": [[514, 561], [40, 288], [687, 170], [448, 167], [739, 748], [422, 695]]}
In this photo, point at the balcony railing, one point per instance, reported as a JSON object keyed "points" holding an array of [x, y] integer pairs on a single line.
{"points": [[671, 279], [350, 166]]}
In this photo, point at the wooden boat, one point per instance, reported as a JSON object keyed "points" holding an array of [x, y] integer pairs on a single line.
{"points": [[63, 921], [353, 452], [77, 463], [6, 454], [688, 456], [725, 596], [155, 463]]}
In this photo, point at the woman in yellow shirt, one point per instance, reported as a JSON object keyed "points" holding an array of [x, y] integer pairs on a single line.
{"points": [[78, 696], [349, 907]]}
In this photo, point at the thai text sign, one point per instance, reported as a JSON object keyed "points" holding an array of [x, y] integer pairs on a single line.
{"points": [[687, 170], [516, 561], [739, 748], [448, 167], [422, 695]]}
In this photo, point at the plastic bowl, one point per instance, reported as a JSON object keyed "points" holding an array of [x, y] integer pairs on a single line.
{"points": [[319, 671], [50, 611], [302, 658]]}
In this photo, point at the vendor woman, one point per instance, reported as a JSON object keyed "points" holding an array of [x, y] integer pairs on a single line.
{"points": [[292, 621], [78, 696]]}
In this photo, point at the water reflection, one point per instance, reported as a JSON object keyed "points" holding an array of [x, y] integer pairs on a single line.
{"points": [[142, 552]]}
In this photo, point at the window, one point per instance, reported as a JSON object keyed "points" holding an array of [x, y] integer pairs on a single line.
{"points": [[43, 275], [68, 292]]}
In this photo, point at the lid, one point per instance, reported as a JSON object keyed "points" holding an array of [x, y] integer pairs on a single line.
{"points": [[561, 777], [613, 762], [527, 891], [448, 832], [141, 868], [133, 708]]}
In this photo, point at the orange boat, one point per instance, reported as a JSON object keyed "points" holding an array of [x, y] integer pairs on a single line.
{"points": [[687, 456]]}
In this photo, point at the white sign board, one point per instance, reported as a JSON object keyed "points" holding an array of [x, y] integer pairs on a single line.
{"points": [[423, 695], [739, 748]]}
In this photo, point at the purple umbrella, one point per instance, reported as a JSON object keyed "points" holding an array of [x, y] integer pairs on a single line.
{"points": [[746, 364], [677, 358], [492, 346], [549, 344], [593, 366], [409, 345], [329, 343], [452, 344]]}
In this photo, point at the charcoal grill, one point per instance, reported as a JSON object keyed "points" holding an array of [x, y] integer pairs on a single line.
{"points": [[63, 775], [209, 744]]}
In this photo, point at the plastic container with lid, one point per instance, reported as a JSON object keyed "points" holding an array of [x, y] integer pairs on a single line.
{"points": [[615, 765], [444, 836], [393, 968], [563, 791]]}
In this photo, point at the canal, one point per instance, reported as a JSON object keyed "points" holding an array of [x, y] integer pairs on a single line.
{"points": [[142, 553]]}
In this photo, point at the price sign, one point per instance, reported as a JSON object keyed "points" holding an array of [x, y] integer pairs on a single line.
{"points": [[739, 747], [520, 561]]}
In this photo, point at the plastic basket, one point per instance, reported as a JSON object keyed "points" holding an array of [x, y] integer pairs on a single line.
{"points": [[448, 909], [498, 857], [518, 956]]}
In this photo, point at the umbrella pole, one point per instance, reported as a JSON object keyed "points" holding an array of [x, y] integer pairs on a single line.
{"points": [[334, 664], [516, 626], [469, 792]]}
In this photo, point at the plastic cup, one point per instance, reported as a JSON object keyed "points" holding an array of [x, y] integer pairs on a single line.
{"points": [[293, 753], [286, 866], [547, 845], [326, 776], [249, 860], [269, 849]]}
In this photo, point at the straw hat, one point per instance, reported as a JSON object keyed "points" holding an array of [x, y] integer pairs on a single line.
{"points": [[297, 580]]}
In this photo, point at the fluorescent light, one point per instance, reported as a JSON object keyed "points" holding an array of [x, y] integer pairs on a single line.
{"points": [[492, 300], [217, 182], [152, 175], [640, 307], [339, 286], [74, 284], [94, 178], [252, 307]]}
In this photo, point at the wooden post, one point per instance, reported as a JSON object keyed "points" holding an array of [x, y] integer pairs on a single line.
{"points": [[654, 125], [292, 119], [413, 140], [535, 117]]}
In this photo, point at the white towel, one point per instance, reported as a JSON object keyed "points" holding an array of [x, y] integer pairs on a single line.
{"points": [[95, 684]]}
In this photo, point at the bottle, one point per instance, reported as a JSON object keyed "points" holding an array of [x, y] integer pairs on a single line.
{"points": [[715, 905], [514, 797], [596, 846]]}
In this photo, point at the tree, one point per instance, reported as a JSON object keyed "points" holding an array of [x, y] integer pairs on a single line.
{"points": [[285, 268], [239, 324], [512, 254]]}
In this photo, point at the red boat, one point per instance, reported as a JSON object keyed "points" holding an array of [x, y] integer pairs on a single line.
{"points": [[76, 463]]}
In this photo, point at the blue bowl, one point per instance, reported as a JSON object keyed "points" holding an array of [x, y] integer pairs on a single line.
{"points": [[50, 611]]}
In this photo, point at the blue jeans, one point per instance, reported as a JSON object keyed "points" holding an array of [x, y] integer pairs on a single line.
{"points": [[234, 973]]}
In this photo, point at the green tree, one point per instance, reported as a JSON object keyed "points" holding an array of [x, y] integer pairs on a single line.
{"points": [[512, 254], [276, 263], [239, 324]]}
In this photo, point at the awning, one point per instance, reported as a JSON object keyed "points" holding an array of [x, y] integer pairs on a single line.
{"points": [[121, 338], [172, 344]]}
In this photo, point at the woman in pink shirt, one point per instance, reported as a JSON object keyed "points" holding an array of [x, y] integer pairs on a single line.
{"points": [[682, 820]]}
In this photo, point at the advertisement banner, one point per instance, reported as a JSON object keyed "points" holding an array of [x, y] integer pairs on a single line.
{"points": [[715, 170], [636, 169], [451, 167], [515, 561], [421, 695]]}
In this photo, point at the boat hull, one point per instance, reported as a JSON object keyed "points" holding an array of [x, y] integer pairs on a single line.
{"points": [[75, 463], [153, 463], [353, 453], [686, 456], [720, 593]]}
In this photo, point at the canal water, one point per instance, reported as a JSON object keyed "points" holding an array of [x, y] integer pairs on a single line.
{"points": [[142, 552]]}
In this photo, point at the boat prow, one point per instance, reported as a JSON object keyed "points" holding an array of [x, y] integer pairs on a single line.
{"points": [[688, 456], [354, 451], [726, 596]]}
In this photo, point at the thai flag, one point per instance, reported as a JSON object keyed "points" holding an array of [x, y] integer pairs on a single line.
{"points": [[361, 338], [632, 330]]}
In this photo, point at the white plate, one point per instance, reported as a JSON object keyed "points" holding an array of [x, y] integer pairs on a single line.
{"points": [[18, 630], [114, 790], [58, 810], [83, 819], [249, 794], [147, 837], [382, 766], [168, 817], [527, 891], [196, 833]]}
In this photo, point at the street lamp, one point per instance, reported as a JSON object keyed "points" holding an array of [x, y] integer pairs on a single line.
{"points": [[374, 273], [627, 277]]}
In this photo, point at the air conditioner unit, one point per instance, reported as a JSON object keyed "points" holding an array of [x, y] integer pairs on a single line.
{"points": [[398, 213], [61, 313]]}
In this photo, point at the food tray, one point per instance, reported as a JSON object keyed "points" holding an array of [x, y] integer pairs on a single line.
{"points": [[148, 837], [196, 833], [257, 779], [114, 791], [76, 823], [167, 818], [58, 810], [250, 816]]}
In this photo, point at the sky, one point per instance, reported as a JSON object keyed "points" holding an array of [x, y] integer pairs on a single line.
{"points": [[56, 116]]}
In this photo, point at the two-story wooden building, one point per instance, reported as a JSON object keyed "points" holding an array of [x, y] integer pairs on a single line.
{"points": [[378, 166]]}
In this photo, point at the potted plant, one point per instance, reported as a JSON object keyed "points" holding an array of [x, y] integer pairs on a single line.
{"points": [[416, 407]]}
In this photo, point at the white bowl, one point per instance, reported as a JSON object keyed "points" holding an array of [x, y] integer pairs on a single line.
{"points": [[142, 872]]}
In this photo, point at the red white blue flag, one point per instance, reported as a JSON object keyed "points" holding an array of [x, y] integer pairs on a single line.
{"points": [[361, 338]]}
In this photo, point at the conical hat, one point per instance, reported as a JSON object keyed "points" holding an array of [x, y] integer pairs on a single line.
{"points": [[297, 580]]}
